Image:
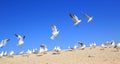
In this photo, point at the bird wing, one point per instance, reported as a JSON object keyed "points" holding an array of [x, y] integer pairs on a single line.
{"points": [[54, 27], [86, 15], [74, 17], [19, 37], [5, 41]]}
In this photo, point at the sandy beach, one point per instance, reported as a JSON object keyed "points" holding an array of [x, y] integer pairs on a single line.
{"points": [[77, 56]]}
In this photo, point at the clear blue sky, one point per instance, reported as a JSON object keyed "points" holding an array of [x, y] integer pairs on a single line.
{"points": [[33, 18]]}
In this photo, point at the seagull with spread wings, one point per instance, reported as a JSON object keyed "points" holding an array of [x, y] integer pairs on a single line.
{"points": [[82, 45], [21, 39], [89, 18], [4, 42], [55, 32], [75, 19]]}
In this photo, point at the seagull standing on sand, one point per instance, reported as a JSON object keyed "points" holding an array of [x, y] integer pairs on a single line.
{"points": [[117, 46], [103, 45], [82, 45], [55, 32], [75, 19], [1, 54], [4, 42], [43, 49], [29, 51], [93, 45], [5, 53], [57, 49], [35, 51], [112, 43], [11, 53], [21, 53], [21, 39], [75, 47], [88, 17]]}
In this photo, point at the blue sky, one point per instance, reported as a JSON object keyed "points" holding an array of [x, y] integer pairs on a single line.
{"points": [[33, 18]]}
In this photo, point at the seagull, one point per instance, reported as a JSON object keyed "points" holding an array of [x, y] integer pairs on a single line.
{"points": [[43, 49], [82, 45], [113, 43], [70, 49], [4, 42], [11, 53], [22, 52], [5, 54], [1, 54], [117, 46], [29, 51], [35, 51], [57, 49], [55, 32], [103, 45], [75, 47], [21, 39], [88, 17], [93, 45], [75, 19]]}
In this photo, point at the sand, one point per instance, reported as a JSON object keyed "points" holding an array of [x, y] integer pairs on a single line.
{"points": [[77, 56]]}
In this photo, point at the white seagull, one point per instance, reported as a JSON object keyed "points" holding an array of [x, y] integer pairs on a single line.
{"points": [[113, 43], [75, 47], [35, 51], [22, 52], [5, 53], [1, 54], [75, 19], [117, 46], [21, 39], [29, 51], [88, 17], [57, 49], [11, 53], [43, 49], [55, 32], [93, 45], [4, 42], [82, 45]]}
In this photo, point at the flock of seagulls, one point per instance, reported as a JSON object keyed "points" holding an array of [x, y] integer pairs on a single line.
{"points": [[57, 49], [55, 31], [77, 21], [43, 48]]}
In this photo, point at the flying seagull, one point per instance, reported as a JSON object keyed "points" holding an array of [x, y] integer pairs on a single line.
{"points": [[89, 18], [21, 39], [4, 42], [55, 32], [75, 19]]}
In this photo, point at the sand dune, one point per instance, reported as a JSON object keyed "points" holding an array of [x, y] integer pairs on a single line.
{"points": [[86, 56]]}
